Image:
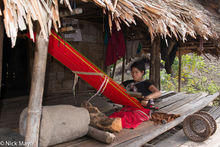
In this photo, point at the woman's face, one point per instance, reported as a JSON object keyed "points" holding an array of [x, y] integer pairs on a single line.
{"points": [[137, 75]]}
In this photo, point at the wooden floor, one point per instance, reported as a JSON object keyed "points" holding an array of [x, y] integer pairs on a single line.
{"points": [[178, 138], [179, 103], [170, 102]]}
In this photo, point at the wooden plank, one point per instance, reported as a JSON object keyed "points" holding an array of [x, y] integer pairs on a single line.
{"points": [[195, 104], [216, 113], [172, 96], [178, 104], [171, 100], [176, 140], [153, 132]]}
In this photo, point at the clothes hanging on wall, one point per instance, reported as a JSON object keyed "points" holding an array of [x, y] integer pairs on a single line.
{"points": [[132, 49], [116, 46]]}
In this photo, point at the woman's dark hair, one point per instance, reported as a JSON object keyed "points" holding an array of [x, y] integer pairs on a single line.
{"points": [[140, 64]]}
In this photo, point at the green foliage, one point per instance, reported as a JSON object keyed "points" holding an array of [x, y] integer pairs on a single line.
{"points": [[194, 77]]}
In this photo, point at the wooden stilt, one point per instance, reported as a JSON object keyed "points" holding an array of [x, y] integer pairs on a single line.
{"points": [[155, 62], [113, 72], [36, 93], [179, 72], [1, 49], [123, 70]]}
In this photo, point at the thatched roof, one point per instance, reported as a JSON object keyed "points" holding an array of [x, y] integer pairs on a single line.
{"points": [[18, 14], [178, 18]]}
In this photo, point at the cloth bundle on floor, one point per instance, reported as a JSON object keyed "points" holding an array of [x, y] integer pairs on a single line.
{"points": [[131, 117], [101, 121], [59, 124], [162, 118]]}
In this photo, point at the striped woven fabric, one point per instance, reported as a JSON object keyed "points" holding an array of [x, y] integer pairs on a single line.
{"points": [[76, 62]]}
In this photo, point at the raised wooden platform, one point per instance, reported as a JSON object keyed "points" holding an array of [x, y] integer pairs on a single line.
{"points": [[177, 103]]}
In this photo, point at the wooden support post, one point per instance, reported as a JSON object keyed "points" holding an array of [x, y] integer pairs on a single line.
{"points": [[123, 70], [113, 72], [1, 49], [36, 93], [179, 76], [155, 62]]}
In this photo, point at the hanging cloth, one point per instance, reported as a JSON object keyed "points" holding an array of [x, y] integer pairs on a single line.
{"points": [[116, 46]]}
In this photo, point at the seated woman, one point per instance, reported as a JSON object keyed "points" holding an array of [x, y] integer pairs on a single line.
{"points": [[131, 117]]}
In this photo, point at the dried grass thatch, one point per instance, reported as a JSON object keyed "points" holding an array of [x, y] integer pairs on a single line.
{"points": [[165, 17], [20, 13], [177, 18]]}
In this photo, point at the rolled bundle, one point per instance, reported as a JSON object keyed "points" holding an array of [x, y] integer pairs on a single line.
{"points": [[59, 124]]}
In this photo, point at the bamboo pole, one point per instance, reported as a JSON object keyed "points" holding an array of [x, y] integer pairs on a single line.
{"points": [[113, 72], [1, 49], [36, 93], [179, 72], [123, 70]]}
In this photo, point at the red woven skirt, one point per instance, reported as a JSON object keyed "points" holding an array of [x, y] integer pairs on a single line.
{"points": [[131, 117]]}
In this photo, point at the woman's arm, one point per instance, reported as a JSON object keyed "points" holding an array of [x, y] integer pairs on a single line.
{"points": [[155, 93]]}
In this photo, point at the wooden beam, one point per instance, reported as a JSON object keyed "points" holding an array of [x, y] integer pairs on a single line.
{"points": [[113, 72], [155, 62], [179, 72], [1, 49], [36, 93], [123, 70]]}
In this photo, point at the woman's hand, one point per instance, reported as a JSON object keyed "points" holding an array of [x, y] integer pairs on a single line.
{"points": [[144, 102]]}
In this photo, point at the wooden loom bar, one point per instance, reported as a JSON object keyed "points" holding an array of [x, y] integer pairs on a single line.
{"points": [[36, 93]]}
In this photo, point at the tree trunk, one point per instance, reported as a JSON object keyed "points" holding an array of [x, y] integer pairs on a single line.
{"points": [[36, 93], [155, 62]]}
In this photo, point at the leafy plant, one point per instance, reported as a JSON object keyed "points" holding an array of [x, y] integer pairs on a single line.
{"points": [[194, 76]]}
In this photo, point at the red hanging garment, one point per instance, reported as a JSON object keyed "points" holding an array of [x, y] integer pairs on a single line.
{"points": [[116, 46]]}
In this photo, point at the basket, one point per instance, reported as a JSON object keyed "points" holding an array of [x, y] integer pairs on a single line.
{"points": [[197, 127], [210, 119]]}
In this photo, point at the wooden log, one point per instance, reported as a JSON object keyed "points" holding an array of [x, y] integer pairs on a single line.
{"points": [[100, 135], [36, 92], [1, 48]]}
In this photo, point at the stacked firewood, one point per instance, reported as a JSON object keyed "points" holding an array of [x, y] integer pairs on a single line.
{"points": [[18, 14]]}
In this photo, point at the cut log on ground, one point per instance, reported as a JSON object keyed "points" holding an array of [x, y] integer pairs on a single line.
{"points": [[100, 135]]}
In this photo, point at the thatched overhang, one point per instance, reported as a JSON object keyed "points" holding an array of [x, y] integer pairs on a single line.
{"points": [[173, 18]]}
